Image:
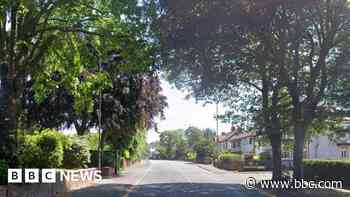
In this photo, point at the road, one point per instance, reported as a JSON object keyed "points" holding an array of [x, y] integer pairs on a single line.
{"points": [[174, 179]]}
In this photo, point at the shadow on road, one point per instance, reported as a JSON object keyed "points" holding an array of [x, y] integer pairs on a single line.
{"points": [[167, 190], [102, 190]]}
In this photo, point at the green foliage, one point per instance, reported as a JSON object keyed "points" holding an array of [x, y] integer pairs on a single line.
{"points": [[91, 140], [191, 156], [138, 146], [204, 150], [76, 154], [327, 170], [191, 144], [230, 156], [108, 158], [172, 145], [265, 156], [42, 150], [3, 172]]}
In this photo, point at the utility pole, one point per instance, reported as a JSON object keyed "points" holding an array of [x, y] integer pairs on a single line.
{"points": [[217, 121], [99, 115]]}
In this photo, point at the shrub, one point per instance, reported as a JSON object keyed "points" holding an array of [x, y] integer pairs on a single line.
{"points": [[204, 150], [108, 158], [42, 150], [265, 156], [3, 172], [191, 156], [230, 156], [327, 170], [76, 154]]}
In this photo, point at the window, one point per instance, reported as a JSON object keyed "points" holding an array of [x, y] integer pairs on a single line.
{"points": [[251, 140]]}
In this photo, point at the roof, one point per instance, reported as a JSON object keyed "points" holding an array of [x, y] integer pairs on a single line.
{"points": [[343, 144], [236, 134]]}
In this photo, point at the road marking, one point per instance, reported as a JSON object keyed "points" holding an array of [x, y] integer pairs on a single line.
{"points": [[132, 188], [144, 175]]}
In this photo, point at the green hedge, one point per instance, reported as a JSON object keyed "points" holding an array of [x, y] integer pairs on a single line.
{"points": [[230, 156], [328, 170], [108, 159], [3, 172], [52, 149], [42, 150], [76, 154]]}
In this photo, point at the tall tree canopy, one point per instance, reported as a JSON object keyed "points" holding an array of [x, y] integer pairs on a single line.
{"points": [[291, 52], [69, 49]]}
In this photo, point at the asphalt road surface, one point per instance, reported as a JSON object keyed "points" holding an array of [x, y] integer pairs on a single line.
{"points": [[174, 179]]}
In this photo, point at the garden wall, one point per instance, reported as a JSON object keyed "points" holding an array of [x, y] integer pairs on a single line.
{"points": [[228, 164]]}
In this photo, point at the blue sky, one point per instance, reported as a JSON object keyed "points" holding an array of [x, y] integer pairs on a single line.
{"points": [[183, 113]]}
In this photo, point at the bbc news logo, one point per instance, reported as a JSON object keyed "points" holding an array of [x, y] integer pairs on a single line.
{"points": [[51, 175]]}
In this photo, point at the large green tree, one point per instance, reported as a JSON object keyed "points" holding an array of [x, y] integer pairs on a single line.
{"points": [[61, 48], [217, 56], [309, 44], [291, 52], [172, 145], [28, 30]]}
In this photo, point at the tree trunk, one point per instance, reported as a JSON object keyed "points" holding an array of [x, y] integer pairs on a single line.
{"points": [[276, 143], [8, 118], [299, 141]]}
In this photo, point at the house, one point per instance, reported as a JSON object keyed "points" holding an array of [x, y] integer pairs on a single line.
{"points": [[318, 147], [324, 147], [239, 141]]}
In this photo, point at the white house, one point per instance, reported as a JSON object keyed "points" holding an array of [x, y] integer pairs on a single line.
{"points": [[323, 147], [319, 147], [240, 141]]}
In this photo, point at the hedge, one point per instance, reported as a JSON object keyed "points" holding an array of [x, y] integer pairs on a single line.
{"points": [[108, 159], [3, 172], [328, 170], [230, 156], [76, 154], [52, 149], [42, 150]]}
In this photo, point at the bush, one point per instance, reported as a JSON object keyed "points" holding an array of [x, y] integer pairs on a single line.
{"points": [[204, 150], [76, 154], [327, 170], [3, 172], [191, 156], [42, 150], [230, 156], [265, 156], [229, 161], [108, 158]]}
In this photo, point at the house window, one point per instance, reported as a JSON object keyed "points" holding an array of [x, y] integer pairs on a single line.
{"points": [[251, 140], [344, 154]]}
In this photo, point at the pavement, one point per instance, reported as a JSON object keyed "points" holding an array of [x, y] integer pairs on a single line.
{"points": [[174, 179]]}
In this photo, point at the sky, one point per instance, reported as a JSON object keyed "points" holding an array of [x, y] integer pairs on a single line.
{"points": [[182, 113]]}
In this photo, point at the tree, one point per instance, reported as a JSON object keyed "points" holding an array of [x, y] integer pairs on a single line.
{"points": [[30, 31], [289, 51], [199, 57], [310, 42], [132, 103], [193, 135], [172, 145]]}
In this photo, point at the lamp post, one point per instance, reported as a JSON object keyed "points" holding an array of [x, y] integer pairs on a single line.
{"points": [[99, 116]]}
